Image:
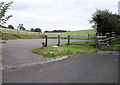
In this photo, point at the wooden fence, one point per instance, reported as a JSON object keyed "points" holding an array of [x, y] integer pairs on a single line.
{"points": [[72, 36], [105, 39], [44, 44]]}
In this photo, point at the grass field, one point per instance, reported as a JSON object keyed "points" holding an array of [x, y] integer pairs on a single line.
{"points": [[76, 33], [14, 31], [12, 34]]}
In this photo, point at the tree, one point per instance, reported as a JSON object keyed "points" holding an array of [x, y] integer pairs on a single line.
{"points": [[3, 9], [104, 21], [117, 27], [10, 26], [32, 29], [38, 30], [22, 28]]}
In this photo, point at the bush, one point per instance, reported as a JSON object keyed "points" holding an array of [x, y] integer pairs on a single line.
{"points": [[10, 26]]}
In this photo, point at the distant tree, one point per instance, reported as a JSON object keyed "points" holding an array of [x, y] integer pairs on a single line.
{"points": [[3, 26], [10, 26], [3, 9], [68, 30], [104, 21], [38, 30], [32, 30], [22, 28]]}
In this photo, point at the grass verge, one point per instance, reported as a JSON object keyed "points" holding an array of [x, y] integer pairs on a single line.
{"points": [[63, 50]]}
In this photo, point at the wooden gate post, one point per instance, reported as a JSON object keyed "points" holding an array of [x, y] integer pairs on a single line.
{"points": [[39, 34], [26, 32], [68, 39], [88, 36], [43, 45], [97, 43], [18, 32], [58, 40], [46, 40]]}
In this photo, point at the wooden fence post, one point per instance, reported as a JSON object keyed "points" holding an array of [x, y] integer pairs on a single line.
{"points": [[17, 32], [68, 39], [97, 43], [26, 33], [43, 45], [108, 38], [39, 34], [88, 36], [46, 40], [101, 36], [58, 40]]}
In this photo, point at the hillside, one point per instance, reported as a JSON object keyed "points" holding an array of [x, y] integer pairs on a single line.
{"points": [[12, 34]]}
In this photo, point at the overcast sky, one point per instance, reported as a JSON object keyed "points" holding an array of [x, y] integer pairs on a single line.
{"points": [[57, 14]]}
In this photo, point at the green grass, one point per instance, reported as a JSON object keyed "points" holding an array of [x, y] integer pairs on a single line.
{"points": [[6, 36], [75, 48], [63, 50], [12, 34], [21, 32], [112, 46], [76, 33], [91, 42]]}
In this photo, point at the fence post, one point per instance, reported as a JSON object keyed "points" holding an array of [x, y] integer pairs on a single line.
{"points": [[68, 39], [17, 32], [26, 32], [88, 36], [43, 45], [94, 36], [108, 38], [101, 36], [97, 44], [58, 40], [39, 34], [46, 40]]}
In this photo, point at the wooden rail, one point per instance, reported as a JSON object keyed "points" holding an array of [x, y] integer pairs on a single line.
{"points": [[106, 39]]}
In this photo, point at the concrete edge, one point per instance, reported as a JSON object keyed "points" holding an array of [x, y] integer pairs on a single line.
{"points": [[33, 63]]}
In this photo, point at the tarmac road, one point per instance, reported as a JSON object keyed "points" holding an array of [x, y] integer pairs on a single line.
{"points": [[17, 52], [82, 68]]}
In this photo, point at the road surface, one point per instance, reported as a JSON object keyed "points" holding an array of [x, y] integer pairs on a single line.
{"points": [[17, 52], [82, 68]]}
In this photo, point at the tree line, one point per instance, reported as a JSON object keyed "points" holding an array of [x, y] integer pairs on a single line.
{"points": [[55, 31]]}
